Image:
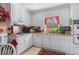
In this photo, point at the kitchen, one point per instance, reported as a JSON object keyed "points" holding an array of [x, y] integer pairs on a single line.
{"points": [[45, 29]]}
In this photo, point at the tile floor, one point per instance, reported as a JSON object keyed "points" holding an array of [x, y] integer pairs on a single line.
{"points": [[32, 51], [39, 51]]}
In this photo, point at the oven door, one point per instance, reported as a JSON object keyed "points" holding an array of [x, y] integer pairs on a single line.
{"points": [[76, 28], [76, 39]]}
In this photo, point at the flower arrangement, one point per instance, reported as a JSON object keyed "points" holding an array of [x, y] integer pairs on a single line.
{"points": [[4, 15]]}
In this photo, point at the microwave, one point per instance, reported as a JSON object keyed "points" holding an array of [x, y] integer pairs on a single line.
{"points": [[3, 39]]}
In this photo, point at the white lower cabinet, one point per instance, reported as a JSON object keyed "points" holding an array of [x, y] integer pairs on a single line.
{"points": [[76, 49], [27, 41], [54, 42], [23, 42], [37, 40], [66, 44], [46, 41], [59, 43], [20, 45]]}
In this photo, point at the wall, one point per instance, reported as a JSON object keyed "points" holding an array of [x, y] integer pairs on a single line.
{"points": [[63, 11]]}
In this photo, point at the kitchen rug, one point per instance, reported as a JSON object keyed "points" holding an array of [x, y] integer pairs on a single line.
{"points": [[49, 52]]}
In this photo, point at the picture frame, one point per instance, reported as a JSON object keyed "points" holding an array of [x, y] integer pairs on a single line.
{"points": [[51, 21]]}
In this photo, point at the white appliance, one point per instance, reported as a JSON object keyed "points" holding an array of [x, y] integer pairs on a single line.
{"points": [[76, 31], [3, 39]]}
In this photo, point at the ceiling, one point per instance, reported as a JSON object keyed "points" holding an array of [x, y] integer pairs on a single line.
{"points": [[39, 6]]}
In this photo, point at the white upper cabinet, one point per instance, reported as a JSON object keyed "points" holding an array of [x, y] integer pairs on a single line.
{"points": [[64, 14], [20, 15], [75, 10]]}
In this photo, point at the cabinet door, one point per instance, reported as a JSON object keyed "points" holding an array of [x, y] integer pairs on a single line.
{"points": [[46, 41], [66, 43], [65, 14], [18, 14], [76, 49], [24, 42], [75, 10], [27, 41], [15, 13], [54, 42], [20, 46], [37, 40]]}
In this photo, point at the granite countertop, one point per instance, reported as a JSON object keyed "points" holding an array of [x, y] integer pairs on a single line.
{"points": [[20, 34], [58, 34], [41, 33]]}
